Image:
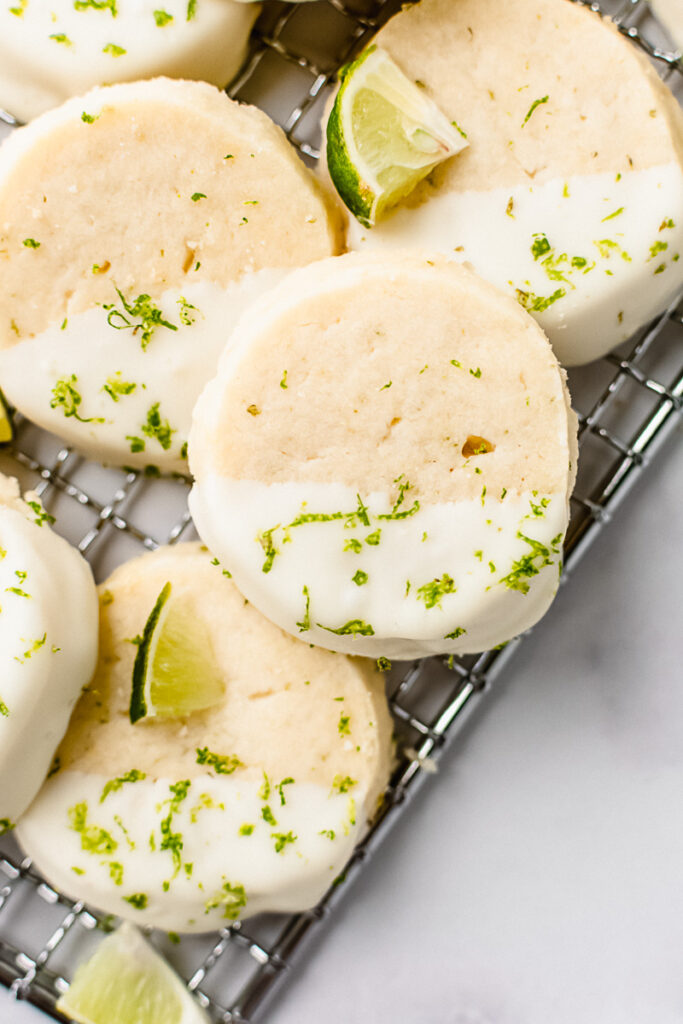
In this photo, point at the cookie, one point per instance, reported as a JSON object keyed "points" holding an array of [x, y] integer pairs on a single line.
{"points": [[48, 644], [136, 223], [253, 804], [385, 457]]}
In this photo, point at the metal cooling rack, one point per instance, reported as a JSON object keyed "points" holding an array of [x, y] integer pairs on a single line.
{"points": [[627, 404]]}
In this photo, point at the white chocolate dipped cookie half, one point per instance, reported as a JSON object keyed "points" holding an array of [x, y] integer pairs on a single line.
{"points": [[48, 644], [136, 224], [570, 192], [49, 52], [385, 458], [253, 804]]}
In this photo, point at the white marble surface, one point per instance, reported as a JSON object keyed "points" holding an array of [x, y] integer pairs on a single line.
{"points": [[539, 876]]}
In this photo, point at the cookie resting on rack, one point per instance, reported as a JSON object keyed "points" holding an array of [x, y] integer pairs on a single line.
{"points": [[48, 644], [385, 458], [49, 52], [188, 819], [570, 192], [136, 223]]}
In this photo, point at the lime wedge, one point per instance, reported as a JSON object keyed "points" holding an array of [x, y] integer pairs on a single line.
{"points": [[6, 432], [175, 672], [384, 135], [127, 982]]}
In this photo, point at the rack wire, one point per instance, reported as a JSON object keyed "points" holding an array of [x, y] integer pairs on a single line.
{"points": [[627, 405]]}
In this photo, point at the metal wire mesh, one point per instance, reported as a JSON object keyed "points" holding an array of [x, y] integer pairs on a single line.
{"points": [[626, 403]]}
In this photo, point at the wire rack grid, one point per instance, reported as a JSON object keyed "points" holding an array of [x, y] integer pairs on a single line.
{"points": [[627, 405]]}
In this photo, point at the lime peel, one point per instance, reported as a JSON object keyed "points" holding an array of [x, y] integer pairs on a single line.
{"points": [[384, 135], [127, 982], [174, 673], [6, 431]]}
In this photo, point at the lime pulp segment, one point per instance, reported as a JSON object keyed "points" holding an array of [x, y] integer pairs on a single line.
{"points": [[128, 982], [175, 672]]}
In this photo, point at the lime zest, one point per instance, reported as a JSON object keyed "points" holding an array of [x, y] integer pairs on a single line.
{"points": [[134, 775], [533, 107], [222, 764], [231, 897]]}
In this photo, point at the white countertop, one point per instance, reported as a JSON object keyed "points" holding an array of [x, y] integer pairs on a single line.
{"points": [[539, 876]]}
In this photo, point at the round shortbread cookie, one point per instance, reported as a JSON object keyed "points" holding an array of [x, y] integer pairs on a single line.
{"points": [[136, 223], [385, 458], [49, 52], [252, 805], [48, 644], [570, 192]]}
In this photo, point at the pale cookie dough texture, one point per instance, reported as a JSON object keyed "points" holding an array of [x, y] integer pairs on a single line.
{"points": [[570, 193], [48, 644], [136, 223], [670, 13], [51, 51], [385, 458], [253, 805]]}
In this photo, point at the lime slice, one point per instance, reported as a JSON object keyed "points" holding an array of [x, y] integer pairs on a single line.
{"points": [[175, 672], [6, 432], [127, 982], [384, 135]]}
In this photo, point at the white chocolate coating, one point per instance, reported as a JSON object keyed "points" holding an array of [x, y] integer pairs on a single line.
{"points": [[136, 822], [49, 52], [310, 587], [119, 381], [613, 262], [48, 646]]}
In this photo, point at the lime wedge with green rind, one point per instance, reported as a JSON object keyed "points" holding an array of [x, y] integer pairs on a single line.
{"points": [[6, 431], [175, 671], [384, 135], [127, 982]]}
